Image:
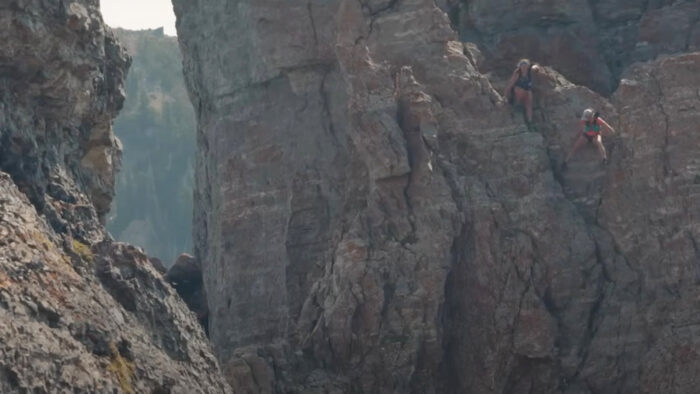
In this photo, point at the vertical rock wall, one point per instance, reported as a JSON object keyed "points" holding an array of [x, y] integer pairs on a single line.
{"points": [[371, 217], [78, 312]]}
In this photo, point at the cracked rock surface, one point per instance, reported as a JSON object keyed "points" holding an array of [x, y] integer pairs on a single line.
{"points": [[78, 312], [75, 319], [371, 216], [591, 42]]}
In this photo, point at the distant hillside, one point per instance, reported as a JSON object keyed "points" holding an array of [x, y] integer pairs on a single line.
{"points": [[153, 204]]}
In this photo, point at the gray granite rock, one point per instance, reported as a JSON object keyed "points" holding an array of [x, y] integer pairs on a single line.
{"points": [[82, 319], [78, 312], [589, 42], [186, 277], [372, 217]]}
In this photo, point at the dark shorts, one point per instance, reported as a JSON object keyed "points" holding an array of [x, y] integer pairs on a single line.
{"points": [[511, 96], [524, 86]]}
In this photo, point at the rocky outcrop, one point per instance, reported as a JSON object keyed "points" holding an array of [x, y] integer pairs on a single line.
{"points": [[589, 42], [57, 107], [78, 312], [186, 277], [153, 203], [90, 320], [371, 216]]}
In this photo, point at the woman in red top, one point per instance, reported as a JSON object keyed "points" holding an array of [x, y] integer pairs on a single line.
{"points": [[591, 129]]}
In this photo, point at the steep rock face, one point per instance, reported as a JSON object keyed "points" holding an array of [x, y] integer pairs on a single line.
{"points": [[87, 320], [371, 217], [57, 106], [650, 206], [78, 312]]}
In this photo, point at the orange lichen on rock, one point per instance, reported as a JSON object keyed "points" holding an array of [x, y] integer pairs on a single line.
{"points": [[4, 281]]}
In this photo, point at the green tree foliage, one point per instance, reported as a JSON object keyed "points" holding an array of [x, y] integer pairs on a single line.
{"points": [[153, 204]]}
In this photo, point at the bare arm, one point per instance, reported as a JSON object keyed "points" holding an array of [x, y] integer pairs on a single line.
{"points": [[580, 129], [606, 126], [513, 78]]}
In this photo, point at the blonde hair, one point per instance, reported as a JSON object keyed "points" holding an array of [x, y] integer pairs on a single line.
{"points": [[588, 114], [524, 60]]}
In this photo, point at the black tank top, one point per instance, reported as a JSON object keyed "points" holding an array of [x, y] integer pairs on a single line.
{"points": [[524, 81]]}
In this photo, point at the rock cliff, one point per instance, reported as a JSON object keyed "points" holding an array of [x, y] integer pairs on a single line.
{"points": [[78, 312], [589, 42], [372, 217]]}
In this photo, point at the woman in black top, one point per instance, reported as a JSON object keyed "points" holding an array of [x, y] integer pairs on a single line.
{"points": [[520, 86]]}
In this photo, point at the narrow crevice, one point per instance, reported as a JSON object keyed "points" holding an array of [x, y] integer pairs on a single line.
{"points": [[696, 250], [375, 13], [516, 316], [689, 37], [660, 104], [694, 242], [450, 309], [411, 238], [593, 322], [313, 22], [328, 117]]}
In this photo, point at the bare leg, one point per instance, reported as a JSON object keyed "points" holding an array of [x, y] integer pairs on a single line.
{"points": [[580, 141], [519, 95], [601, 149], [528, 106], [524, 98]]}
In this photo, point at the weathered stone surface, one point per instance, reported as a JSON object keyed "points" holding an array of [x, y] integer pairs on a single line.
{"points": [[78, 312], [98, 319], [57, 105], [371, 217], [186, 277], [589, 42]]}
